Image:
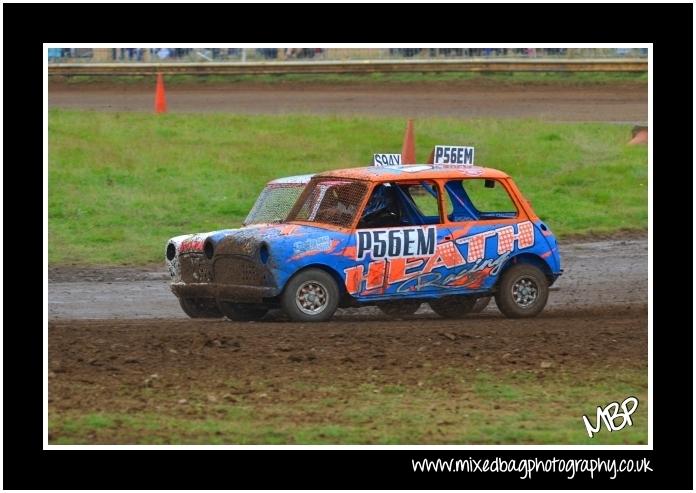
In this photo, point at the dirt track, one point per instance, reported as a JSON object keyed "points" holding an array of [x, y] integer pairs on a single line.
{"points": [[610, 103], [107, 358], [599, 273]]}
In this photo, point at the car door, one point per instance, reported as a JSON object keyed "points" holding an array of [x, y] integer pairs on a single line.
{"points": [[396, 243], [486, 225]]}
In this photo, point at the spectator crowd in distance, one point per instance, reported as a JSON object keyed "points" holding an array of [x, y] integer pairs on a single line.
{"points": [[237, 54]]}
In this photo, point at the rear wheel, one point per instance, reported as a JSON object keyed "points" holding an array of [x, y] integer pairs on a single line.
{"points": [[523, 291], [200, 308], [397, 309], [242, 312], [453, 306], [311, 296]]}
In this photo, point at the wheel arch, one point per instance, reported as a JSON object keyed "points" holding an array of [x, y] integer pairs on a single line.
{"points": [[329, 270], [528, 258]]}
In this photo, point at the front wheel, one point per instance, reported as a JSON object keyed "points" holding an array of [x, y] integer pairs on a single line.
{"points": [[241, 312], [523, 291], [200, 307], [310, 296]]}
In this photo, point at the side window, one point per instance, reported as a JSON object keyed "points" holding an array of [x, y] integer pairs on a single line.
{"points": [[401, 204], [478, 199], [425, 197]]}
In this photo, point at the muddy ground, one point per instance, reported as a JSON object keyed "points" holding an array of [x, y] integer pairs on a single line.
{"points": [[109, 357], [625, 103]]}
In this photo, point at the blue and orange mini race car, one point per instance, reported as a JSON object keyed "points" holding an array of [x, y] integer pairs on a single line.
{"points": [[394, 236]]}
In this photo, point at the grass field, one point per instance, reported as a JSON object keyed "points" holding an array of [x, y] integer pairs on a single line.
{"points": [[497, 78], [453, 406], [121, 184]]}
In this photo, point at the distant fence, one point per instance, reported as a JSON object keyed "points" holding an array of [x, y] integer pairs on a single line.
{"points": [[353, 66]]}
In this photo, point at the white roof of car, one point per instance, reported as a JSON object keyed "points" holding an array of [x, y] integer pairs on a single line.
{"points": [[292, 179]]}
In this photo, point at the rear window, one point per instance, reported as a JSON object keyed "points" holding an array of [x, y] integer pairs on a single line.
{"points": [[478, 199], [330, 201], [274, 203]]}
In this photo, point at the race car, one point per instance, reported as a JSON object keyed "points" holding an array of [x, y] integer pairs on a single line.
{"points": [[447, 233], [190, 270]]}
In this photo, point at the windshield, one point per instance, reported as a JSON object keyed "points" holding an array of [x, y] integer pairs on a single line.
{"points": [[330, 201], [274, 202]]}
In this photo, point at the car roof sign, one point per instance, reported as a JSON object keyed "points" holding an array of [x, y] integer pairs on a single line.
{"points": [[386, 159], [445, 156]]}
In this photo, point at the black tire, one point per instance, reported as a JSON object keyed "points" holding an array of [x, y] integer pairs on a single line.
{"points": [[399, 309], [311, 296], [453, 306], [241, 312], [200, 308], [522, 292], [481, 304]]}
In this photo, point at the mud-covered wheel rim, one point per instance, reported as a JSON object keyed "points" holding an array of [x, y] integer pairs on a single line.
{"points": [[525, 291], [312, 297]]}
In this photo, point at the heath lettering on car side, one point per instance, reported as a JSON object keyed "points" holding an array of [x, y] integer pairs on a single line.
{"points": [[396, 242]]}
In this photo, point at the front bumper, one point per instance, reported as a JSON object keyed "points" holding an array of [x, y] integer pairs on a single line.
{"points": [[225, 292]]}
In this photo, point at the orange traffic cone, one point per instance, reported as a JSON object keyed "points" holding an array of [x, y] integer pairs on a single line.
{"points": [[408, 150], [160, 99], [431, 157]]}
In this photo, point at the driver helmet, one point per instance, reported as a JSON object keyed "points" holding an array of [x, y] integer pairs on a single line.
{"points": [[382, 199]]}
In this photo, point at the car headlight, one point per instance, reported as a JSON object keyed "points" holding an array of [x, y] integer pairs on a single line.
{"points": [[208, 249], [171, 252]]}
